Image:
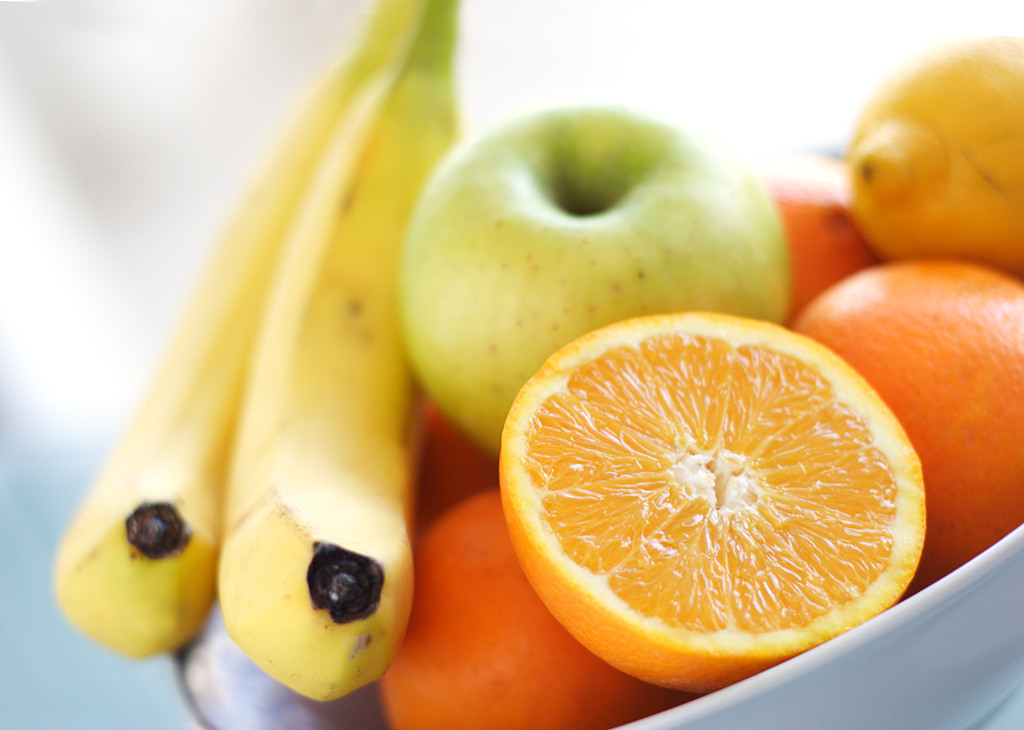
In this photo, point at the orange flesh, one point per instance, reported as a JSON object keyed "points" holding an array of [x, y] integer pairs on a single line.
{"points": [[734, 491]]}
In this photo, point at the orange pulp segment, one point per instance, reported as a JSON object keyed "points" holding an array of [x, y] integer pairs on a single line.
{"points": [[697, 497]]}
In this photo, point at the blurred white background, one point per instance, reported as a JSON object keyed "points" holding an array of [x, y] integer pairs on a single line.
{"points": [[127, 128]]}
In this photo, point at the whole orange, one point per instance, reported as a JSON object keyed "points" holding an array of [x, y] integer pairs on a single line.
{"points": [[482, 651], [451, 468], [812, 194], [943, 344]]}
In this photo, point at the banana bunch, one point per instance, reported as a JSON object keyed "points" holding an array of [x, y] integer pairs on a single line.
{"points": [[272, 459], [316, 571]]}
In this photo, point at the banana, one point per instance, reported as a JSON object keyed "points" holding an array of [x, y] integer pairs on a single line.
{"points": [[315, 577], [136, 568]]}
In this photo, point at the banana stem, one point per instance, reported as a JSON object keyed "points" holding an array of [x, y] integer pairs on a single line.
{"points": [[434, 47]]}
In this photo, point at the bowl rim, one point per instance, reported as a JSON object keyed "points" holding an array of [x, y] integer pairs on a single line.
{"points": [[949, 589]]}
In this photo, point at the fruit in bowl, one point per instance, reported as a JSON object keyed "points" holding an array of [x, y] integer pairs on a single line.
{"points": [[942, 659], [970, 614], [565, 220]]}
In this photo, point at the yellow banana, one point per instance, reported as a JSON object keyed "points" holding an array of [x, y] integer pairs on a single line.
{"points": [[136, 568], [316, 572]]}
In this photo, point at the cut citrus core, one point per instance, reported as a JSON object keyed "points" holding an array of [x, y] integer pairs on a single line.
{"points": [[697, 496]]}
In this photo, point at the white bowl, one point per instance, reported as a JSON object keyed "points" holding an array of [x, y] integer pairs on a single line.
{"points": [[943, 659]]}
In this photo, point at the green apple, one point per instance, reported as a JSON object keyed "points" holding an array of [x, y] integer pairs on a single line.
{"points": [[565, 220]]}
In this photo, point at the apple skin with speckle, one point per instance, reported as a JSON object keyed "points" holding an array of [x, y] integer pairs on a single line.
{"points": [[564, 220]]}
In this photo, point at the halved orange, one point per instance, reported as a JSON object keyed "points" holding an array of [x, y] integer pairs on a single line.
{"points": [[697, 497]]}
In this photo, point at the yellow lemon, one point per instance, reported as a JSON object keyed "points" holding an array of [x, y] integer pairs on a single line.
{"points": [[937, 158]]}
